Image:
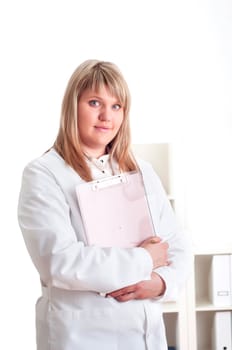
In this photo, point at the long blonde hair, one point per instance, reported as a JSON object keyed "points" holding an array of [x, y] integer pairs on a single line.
{"points": [[93, 74]]}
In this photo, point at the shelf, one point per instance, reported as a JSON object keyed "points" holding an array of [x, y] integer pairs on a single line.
{"points": [[170, 307], [205, 305], [170, 197], [212, 250]]}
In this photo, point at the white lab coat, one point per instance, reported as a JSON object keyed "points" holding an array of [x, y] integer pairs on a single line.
{"points": [[72, 314]]}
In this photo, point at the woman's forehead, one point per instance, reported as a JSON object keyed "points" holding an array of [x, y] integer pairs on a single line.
{"points": [[104, 89]]}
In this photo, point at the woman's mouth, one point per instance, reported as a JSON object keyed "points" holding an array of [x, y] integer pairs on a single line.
{"points": [[102, 128]]}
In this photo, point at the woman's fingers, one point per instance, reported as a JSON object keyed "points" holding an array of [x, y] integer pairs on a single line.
{"points": [[122, 291], [152, 239]]}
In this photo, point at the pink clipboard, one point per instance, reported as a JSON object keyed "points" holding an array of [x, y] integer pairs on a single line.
{"points": [[115, 211]]}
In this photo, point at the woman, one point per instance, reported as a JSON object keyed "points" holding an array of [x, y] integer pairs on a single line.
{"points": [[95, 297]]}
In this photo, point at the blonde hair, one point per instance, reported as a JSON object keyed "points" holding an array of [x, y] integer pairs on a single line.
{"points": [[93, 74]]}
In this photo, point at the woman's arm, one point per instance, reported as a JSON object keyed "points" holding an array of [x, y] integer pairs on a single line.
{"points": [[61, 260]]}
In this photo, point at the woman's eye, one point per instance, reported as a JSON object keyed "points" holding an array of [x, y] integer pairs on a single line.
{"points": [[117, 107], [94, 103]]}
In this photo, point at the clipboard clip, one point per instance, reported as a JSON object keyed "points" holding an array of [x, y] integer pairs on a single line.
{"points": [[109, 181]]}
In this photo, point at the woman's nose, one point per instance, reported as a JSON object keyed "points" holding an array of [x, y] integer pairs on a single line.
{"points": [[105, 114]]}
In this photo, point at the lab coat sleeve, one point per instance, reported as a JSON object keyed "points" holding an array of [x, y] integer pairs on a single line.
{"points": [[180, 252], [61, 260]]}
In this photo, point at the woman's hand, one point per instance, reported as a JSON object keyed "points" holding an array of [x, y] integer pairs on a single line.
{"points": [[157, 249], [150, 288], [142, 290]]}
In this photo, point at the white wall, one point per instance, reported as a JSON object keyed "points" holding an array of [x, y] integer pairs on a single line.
{"points": [[202, 176], [176, 56]]}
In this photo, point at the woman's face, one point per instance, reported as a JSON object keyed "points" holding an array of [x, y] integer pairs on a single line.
{"points": [[100, 116]]}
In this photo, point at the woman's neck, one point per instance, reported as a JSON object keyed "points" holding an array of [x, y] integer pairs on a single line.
{"points": [[90, 153]]}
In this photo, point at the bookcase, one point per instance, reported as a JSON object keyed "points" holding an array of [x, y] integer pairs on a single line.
{"points": [[188, 321]]}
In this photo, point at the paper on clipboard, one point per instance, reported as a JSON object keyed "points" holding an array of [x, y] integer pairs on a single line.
{"points": [[115, 210]]}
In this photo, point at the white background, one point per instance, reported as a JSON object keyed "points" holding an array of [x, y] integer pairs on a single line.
{"points": [[176, 57]]}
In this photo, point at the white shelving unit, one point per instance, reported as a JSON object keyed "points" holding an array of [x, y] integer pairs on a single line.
{"points": [[162, 156], [203, 307], [189, 321]]}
